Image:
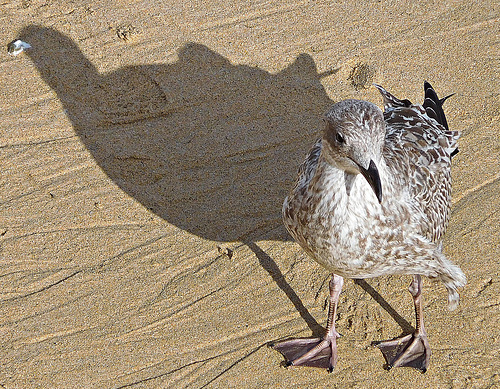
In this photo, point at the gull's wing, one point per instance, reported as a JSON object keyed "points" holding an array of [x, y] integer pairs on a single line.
{"points": [[418, 152]]}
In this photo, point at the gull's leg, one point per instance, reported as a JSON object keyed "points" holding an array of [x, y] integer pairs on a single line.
{"points": [[316, 352], [411, 350]]}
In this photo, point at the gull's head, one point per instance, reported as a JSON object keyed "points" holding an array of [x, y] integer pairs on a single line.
{"points": [[353, 140]]}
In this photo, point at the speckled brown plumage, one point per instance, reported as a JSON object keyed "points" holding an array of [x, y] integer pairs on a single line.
{"points": [[391, 218]]}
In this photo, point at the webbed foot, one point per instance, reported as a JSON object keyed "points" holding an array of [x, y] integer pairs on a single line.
{"points": [[311, 352], [411, 350]]}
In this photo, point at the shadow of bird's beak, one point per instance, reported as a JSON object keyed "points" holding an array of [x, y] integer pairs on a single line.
{"points": [[372, 176]]}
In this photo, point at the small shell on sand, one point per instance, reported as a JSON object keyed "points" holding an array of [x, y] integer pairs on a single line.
{"points": [[16, 47]]}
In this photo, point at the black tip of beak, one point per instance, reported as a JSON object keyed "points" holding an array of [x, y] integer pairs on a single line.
{"points": [[372, 176]]}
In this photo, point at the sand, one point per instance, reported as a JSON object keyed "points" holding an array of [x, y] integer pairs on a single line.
{"points": [[146, 148]]}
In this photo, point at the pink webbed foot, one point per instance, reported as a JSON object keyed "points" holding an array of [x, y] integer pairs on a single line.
{"points": [[311, 352], [316, 352], [411, 351]]}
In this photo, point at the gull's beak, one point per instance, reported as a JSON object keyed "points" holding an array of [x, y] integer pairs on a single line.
{"points": [[373, 178]]}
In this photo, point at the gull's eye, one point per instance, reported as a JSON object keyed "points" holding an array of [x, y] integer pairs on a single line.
{"points": [[339, 138]]}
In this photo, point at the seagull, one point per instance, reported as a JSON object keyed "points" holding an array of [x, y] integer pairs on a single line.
{"points": [[372, 198]]}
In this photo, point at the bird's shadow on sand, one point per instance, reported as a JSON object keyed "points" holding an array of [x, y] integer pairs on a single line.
{"points": [[209, 146], [406, 327]]}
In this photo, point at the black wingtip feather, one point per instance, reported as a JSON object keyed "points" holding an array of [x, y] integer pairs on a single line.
{"points": [[434, 106], [446, 98]]}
